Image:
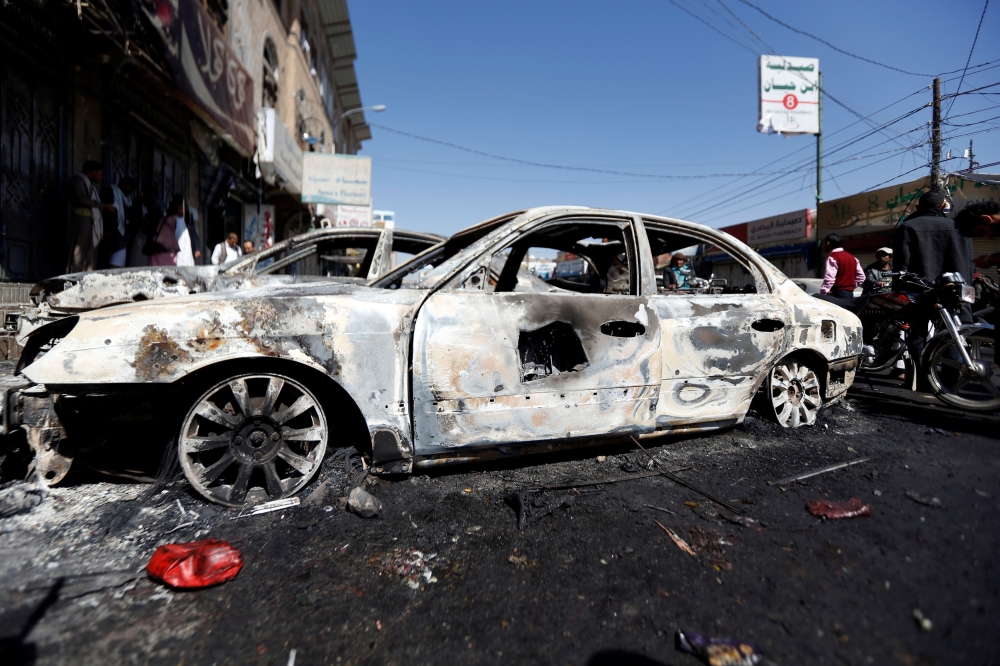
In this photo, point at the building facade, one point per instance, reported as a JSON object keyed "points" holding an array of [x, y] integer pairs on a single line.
{"points": [[176, 94]]}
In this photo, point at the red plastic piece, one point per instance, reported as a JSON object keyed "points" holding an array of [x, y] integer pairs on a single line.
{"points": [[196, 564], [852, 508]]}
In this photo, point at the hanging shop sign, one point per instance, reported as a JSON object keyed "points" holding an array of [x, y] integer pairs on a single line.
{"points": [[788, 90], [205, 67], [279, 155], [780, 228], [336, 179], [884, 208]]}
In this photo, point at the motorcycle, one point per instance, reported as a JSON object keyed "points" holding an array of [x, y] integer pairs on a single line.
{"points": [[958, 362]]}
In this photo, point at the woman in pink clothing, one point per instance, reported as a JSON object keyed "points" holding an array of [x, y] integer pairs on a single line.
{"points": [[164, 242]]}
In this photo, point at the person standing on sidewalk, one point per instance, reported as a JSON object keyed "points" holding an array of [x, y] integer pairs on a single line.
{"points": [[86, 225], [227, 250], [843, 271]]}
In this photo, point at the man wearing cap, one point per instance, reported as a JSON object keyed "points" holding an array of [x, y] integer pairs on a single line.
{"points": [[877, 280], [86, 225]]}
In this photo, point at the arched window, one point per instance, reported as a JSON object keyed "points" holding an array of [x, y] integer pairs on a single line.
{"points": [[270, 99]]}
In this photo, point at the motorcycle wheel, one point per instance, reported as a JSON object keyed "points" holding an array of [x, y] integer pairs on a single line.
{"points": [[953, 384]]}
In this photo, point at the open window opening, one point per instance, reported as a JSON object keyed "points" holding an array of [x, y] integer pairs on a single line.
{"points": [[271, 75], [687, 265], [581, 256]]}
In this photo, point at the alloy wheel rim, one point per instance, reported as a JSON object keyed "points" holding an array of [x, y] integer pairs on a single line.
{"points": [[795, 395], [252, 439]]}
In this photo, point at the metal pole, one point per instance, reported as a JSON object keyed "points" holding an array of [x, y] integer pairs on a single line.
{"points": [[819, 144], [936, 139], [972, 157]]}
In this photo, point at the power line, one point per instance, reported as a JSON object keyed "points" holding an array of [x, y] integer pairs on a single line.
{"points": [[969, 59], [712, 27], [832, 46]]}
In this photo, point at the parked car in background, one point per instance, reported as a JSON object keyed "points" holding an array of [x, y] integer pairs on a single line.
{"points": [[329, 254]]}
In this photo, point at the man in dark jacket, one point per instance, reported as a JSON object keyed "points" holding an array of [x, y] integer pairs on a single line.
{"points": [[928, 243]]}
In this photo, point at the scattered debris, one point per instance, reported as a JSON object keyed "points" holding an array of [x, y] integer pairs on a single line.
{"points": [[411, 566], [535, 509], [317, 496], [601, 459], [519, 560], [982, 493], [80, 585], [676, 479], [824, 470], [268, 507], [291, 656], [924, 623], [709, 543], [852, 508], [718, 651], [598, 482], [744, 442], [713, 513], [195, 564], [19, 497], [676, 539], [939, 431], [926, 500], [650, 506], [363, 503]]}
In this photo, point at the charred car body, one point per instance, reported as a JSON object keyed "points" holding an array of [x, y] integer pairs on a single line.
{"points": [[449, 358]]}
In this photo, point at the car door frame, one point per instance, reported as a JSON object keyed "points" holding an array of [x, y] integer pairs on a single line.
{"points": [[431, 410], [714, 358]]}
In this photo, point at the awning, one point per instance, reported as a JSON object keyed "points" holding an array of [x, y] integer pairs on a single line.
{"points": [[340, 38], [205, 68]]}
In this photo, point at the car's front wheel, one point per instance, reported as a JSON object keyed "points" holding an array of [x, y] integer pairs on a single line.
{"points": [[793, 394], [253, 438]]}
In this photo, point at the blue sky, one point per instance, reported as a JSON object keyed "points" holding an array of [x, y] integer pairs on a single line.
{"points": [[641, 86]]}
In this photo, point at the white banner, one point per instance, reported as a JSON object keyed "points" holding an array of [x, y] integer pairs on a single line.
{"points": [[788, 227], [789, 95], [278, 152], [336, 179]]}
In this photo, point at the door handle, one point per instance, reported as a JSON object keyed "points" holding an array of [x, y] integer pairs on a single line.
{"points": [[622, 329], [767, 325]]}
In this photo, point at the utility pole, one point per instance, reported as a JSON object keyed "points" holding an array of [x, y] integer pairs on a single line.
{"points": [[936, 139], [819, 142], [972, 158]]}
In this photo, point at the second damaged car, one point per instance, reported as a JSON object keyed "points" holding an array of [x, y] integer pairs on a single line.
{"points": [[459, 354]]}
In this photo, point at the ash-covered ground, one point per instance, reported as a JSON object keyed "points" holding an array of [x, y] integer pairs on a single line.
{"points": [[477, 565]]}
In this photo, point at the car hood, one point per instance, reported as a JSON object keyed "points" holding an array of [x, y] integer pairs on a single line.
{"points": [[318, 324], [77, 292]]}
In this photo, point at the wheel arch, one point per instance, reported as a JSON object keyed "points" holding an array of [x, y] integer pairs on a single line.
{"points": [[337, 403]]}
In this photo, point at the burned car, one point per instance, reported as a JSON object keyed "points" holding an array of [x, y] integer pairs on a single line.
{"points": [[447, 359], [336, 253]]}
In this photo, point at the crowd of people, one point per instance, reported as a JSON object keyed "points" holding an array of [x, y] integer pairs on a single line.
{"points": [[125, 225]]}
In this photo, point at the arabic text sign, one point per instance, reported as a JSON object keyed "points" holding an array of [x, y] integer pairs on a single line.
{"points": [[336, 179], [789, 95], [788, 227], [204, 66], [279, 155], [352, 216], [883, 209]]}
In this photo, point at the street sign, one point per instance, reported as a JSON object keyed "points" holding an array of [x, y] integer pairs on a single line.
{"points": [[336, 179], [780, 228], [789, 95]]}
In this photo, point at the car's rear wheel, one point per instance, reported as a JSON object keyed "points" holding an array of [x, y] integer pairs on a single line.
{"points": [[793, 394], [252, 439]]}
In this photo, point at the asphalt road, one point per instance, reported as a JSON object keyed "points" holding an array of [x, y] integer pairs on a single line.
{"points": [[473, 566]]}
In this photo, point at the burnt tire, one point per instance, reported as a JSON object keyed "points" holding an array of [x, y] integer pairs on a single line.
{"points": [[253, 438], [792, 394]]}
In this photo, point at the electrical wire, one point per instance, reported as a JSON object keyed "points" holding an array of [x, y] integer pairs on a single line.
{"points": [[823, 41], [969, 59], [712, 27]]}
